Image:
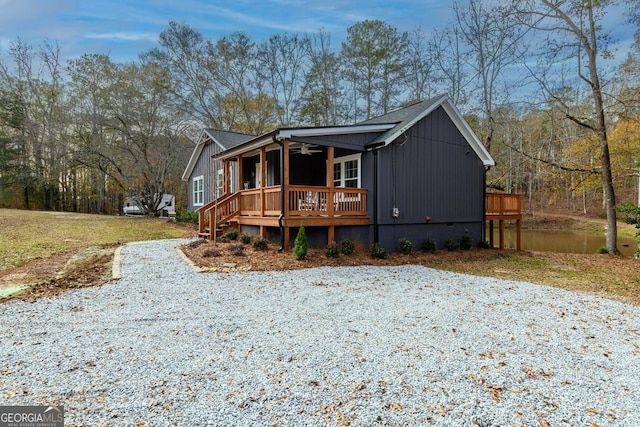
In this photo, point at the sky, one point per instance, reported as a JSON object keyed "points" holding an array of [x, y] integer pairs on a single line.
{"points": [[124, 28]]}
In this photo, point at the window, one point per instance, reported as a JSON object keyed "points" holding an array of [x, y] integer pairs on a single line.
{"points": [[233, 177], [198, 191], [346, 171], [220, 184]]}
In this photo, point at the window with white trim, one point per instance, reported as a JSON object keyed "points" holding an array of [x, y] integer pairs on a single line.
{"points": [[198, 190], [220, 184], [233, 177], [346, 171]]}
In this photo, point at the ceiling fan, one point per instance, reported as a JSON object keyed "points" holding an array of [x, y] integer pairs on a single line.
{"points": [[304, 148]]}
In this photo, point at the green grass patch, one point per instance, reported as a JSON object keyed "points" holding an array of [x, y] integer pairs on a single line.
{"points": [[525, 261], [530, 261], [28, 235]]}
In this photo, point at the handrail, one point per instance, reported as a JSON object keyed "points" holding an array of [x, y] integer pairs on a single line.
{"points": [[206, 212], [227, 208]]}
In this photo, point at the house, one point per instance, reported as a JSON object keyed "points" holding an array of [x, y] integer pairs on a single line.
{"points": [[415, 172], [203, 174], [166, 206]]}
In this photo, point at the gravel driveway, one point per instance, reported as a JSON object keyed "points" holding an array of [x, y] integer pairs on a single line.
{"points": [[166, 345]]}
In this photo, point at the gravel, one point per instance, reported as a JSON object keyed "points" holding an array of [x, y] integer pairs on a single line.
{"points": [[165, 345]]}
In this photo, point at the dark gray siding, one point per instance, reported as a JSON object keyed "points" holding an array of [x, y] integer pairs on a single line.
{"points": [[433, 173], [204, 166], [316, 236], [390, 234]]}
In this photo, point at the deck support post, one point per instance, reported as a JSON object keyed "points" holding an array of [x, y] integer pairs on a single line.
{"points": [[286, 238], [518, 232], [331, 234], [491, 233], [501, 234]]}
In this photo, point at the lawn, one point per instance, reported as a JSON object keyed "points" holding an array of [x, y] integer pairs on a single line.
{"points": [[27, 235]]}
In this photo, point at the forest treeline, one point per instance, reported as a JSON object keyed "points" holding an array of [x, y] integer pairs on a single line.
{"points": [[533, 78]]}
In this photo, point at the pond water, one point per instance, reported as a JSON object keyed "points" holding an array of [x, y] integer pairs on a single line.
{"points": [[561, 241]]}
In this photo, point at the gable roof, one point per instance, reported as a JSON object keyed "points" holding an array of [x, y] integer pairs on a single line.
{"points": [[223, 139], [406, 117], [384, 129], [226, 139]]}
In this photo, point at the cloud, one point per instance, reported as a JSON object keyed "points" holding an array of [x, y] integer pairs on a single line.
{"points": [[16, 12], [122, 35]]}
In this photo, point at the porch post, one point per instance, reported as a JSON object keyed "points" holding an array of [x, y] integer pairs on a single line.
{"points": [[226, 177], [331, 232], [285, 190], [263, 177], [263, 181], [240, 187]]}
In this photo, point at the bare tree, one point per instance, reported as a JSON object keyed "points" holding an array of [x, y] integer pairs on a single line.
{"points": [[282, 62], [184, 53], [576, 36], [419, 66], [33, 85], [124, 131], [449, 56], [233, 59], [323, 97], [146, 134], [494, 41]]}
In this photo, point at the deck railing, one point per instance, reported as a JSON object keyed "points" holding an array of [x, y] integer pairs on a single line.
{"points": [[252, 205], [502, 205], [326, 201], [218, 211], [301, 201]]}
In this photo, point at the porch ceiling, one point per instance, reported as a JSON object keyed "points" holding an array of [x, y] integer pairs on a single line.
{"points": [[328, 143], [319, 136]]}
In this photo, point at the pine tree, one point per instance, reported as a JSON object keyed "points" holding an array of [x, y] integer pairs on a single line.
{"points": [[301, 245]]}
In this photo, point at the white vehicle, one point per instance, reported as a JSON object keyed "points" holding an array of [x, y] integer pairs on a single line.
{"points": [[167, 206]]}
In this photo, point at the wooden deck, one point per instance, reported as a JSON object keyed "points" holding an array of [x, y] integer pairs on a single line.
{"points": [[311, 205], [501, 208]]}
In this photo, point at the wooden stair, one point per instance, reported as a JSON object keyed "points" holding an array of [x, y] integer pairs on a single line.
{"points": [[220, 231]]}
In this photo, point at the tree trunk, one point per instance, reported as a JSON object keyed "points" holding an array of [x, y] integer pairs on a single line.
{"points": [[609, 194], [601, 132], [25, 202]]}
